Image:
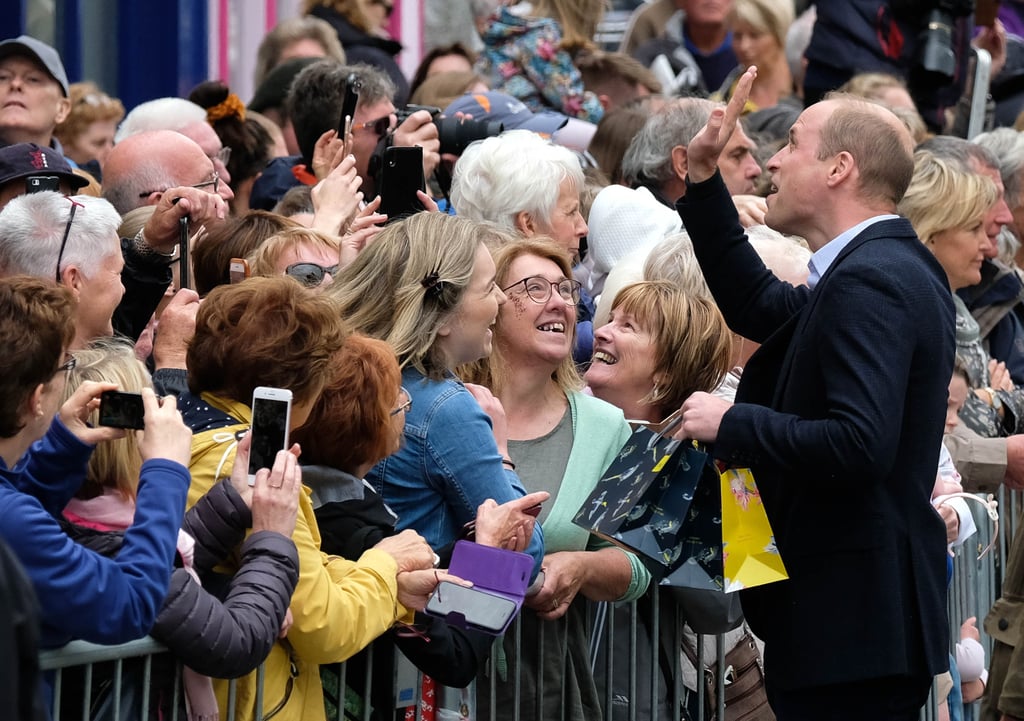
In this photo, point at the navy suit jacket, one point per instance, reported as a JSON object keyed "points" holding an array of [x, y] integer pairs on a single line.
{"points": [[840, 416]]}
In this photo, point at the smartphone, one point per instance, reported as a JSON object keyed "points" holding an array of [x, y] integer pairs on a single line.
{"points": [[184, 261], [401, 176], [348, 105], [40, 183], [271, 418], [471, 607], [238, 270], [122, 410]]}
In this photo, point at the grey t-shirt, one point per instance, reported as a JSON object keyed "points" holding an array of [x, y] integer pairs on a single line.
{"points": [[541, 462]]}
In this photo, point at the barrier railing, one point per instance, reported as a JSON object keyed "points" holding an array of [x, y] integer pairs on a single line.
{"points": [[636, 657]]}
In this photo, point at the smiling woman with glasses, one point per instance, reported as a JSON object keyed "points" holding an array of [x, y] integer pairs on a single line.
{"points": [[561, 441]]}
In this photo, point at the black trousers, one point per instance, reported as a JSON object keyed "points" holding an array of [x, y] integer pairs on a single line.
{"points": [[893, 698]]}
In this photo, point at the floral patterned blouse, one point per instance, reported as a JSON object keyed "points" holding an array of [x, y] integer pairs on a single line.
{"points": [[523, 58]]}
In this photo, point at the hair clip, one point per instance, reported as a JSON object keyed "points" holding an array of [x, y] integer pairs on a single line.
{"points": [[432, 282]]}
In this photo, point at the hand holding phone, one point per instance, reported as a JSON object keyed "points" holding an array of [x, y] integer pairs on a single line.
{"points": [[271, 421], [119, 409], [401, 176]]}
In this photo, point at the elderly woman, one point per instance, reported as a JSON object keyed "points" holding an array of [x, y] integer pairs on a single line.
{"points": [[44, 451], [427, 287], [528, 186], [561, 441], [274, 332], [954, 231]]}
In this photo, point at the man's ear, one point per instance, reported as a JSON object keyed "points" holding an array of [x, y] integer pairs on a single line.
{"points": [[606, 102], [524, 223], [63, 110], [679, 163], [843, 167]]}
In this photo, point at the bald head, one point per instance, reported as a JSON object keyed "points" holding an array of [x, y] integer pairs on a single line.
{"points": [[142, 166]]}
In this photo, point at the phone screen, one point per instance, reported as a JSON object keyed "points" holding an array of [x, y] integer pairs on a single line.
{"points": [[269, 432], [482, 610], [122, 410]]}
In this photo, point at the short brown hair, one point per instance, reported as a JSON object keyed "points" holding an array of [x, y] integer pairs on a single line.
{"points": [[89, 104], [883, 154], [350, 425], [36, 326], [263, 332], [236, 238], [693, 345], [265, 256]]}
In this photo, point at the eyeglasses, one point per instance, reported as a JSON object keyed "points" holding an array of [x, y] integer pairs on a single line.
{"points": [[215, 182], [68, 365], [538, 288], [380, 126], [403, 406], [223, 155], [64, 241], [310, 274]]}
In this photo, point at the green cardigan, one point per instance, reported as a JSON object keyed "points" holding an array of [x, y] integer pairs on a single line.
{"points": [[599, 431]]}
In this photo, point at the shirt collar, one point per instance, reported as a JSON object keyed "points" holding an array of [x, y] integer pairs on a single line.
{"points": [[826, 255]]}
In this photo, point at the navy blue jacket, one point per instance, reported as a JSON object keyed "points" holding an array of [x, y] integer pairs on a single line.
{"points": [[840, 416]]}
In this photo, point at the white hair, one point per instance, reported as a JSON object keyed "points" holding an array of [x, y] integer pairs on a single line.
{"points": [[498, 178], [160, 114], [784, 255], [32, 228]]}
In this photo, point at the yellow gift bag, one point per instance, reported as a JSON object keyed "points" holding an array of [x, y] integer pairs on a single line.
{"points": [[748, 542]]}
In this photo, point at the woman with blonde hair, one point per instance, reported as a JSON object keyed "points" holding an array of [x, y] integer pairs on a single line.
{"points": [[427, 287], [307, 255], [529, 49], [759, 31], [560, 441]]}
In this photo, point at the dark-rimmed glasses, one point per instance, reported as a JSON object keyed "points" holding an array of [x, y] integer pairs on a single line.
{"points": [[215, 182], [310, 274], [64, 241], [539, 288], [403, 406], [68, 365]]}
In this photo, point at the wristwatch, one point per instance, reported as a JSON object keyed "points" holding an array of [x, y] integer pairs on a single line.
{"points": [[996, 403]]}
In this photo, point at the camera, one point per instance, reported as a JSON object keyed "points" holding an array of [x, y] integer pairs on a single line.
{"points": [[455, 134], [935, 52]]}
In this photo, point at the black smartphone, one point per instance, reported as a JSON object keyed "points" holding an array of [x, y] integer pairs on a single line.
{"points": [[122, 410], [40, 183], [184, 261], [471, 607], [271, 418], [401, 176], [348, 105]]}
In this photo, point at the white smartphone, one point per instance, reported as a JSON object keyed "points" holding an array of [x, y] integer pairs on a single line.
{"points": [[271, 418]]}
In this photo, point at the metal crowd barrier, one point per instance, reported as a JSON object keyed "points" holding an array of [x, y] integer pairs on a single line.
{"points": [[618, 651]]}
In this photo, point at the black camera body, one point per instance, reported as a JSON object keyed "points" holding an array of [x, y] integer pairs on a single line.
{"points": [[935, 53], [455, 134]]}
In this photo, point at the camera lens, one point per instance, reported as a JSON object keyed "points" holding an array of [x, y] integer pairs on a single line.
{"points": [[456, 134]]}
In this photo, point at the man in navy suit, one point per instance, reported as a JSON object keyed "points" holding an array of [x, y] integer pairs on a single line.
{"points": [[839, 414]]}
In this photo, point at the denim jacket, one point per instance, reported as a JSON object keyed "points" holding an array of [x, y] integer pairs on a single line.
{"points": [[448, 466]]}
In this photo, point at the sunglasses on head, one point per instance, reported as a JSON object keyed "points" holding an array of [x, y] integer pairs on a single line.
{"points": [[310, 274]]}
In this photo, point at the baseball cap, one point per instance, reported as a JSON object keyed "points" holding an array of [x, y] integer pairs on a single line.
{"points": [[40, 51], [23, 160], [509, 111]]}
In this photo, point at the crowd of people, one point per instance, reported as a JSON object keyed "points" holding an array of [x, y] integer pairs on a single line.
{"points": [[796, 263]]}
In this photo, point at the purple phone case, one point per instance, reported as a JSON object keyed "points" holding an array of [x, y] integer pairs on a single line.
{"points": [[495, 570]]}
